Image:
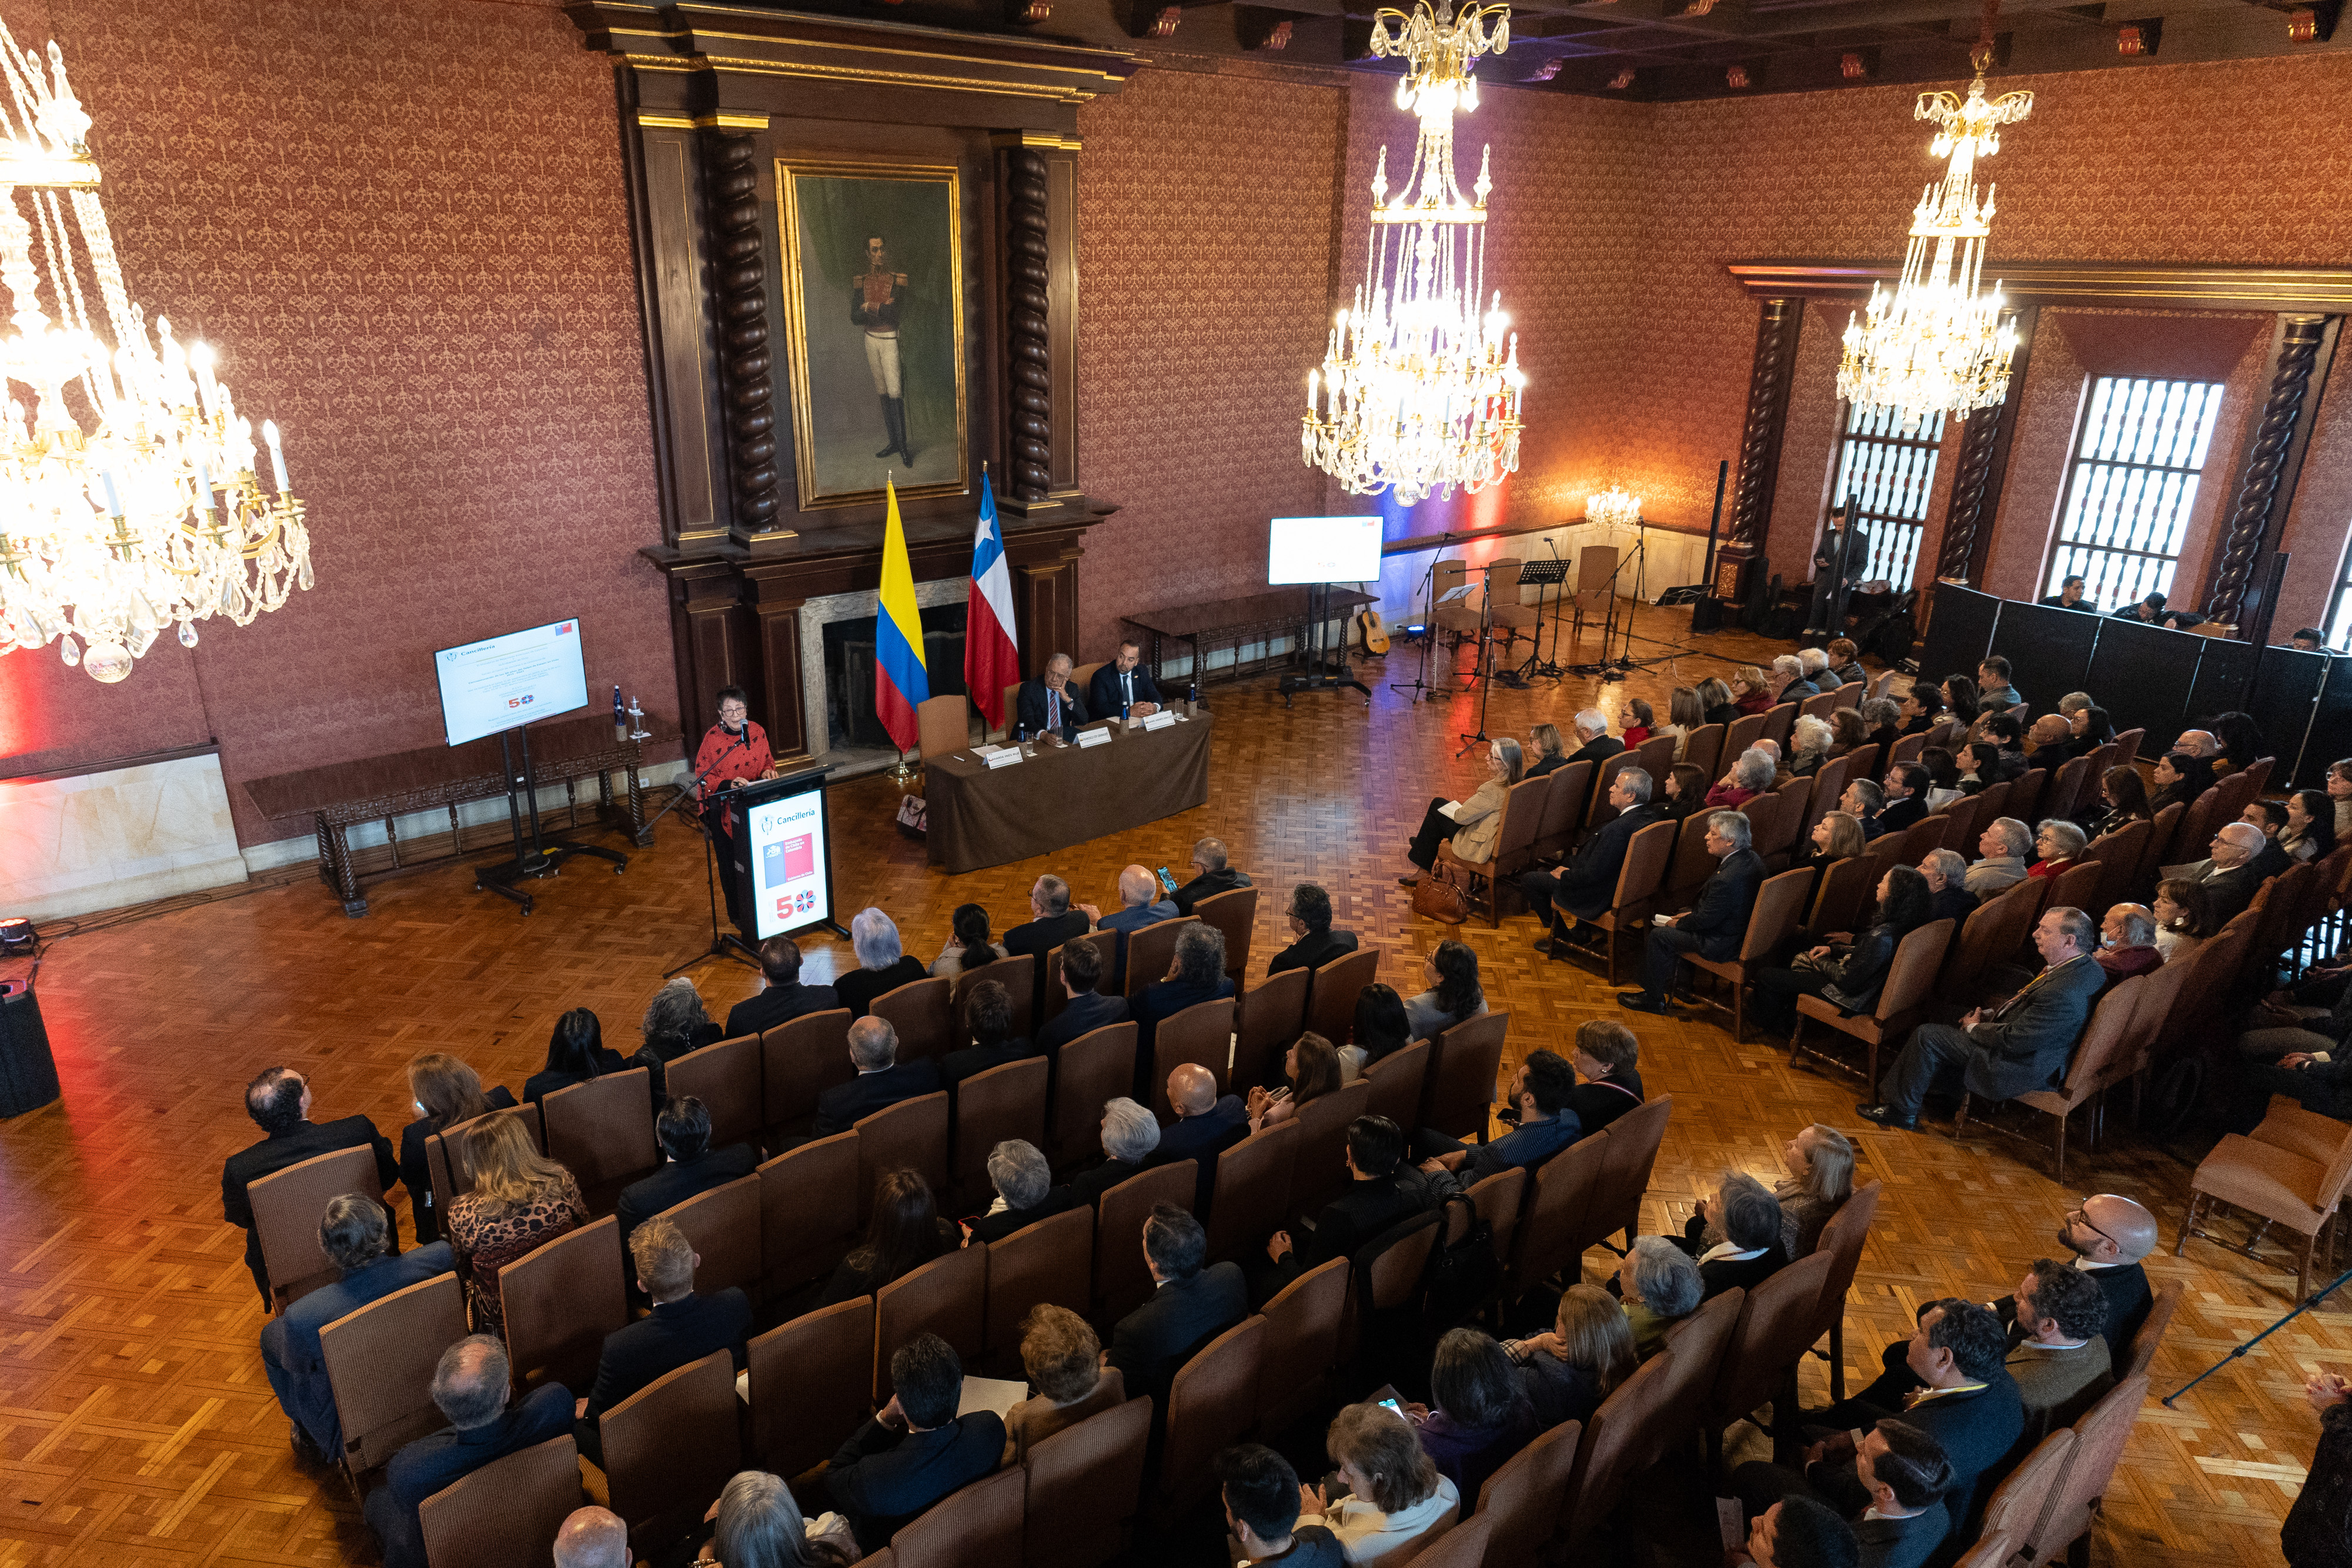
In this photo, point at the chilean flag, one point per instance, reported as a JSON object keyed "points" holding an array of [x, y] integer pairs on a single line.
{"points": [[991, 659]]}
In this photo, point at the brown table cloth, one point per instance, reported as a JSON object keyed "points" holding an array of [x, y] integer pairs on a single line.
{"points": [[1058, 798]]}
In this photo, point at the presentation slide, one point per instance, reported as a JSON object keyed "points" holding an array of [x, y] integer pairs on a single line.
{"points": [[1323, 550], [791, 887], [506, 681]]}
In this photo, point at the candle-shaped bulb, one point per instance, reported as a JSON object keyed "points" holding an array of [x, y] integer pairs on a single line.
{"points": [[276, 456]]}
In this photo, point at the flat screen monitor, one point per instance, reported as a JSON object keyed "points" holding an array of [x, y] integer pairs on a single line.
{"points": [[508, 681], [787, 844], [1323, 550]]}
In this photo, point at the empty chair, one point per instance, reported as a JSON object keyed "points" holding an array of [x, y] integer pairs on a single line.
{"points": [[1843, 1239], [1703, 749], [808, 1212], [1331, 996], [1615, 1440], [1202, 1033], [669, 1448], [1318, 1168], [1051, 1260], [1775, 1329], [2018, 1504], [947, 1296], [507, 1511], [287, 1205], [800, 1059], [1631, 1153], [602, 1132], [979, 1526], [1497, 1202], [1266, 1019], [1084, 1483], [724, 1226], [1006, 1102], [1096, 1068], [1700, 1344], [1563, 810], [943, 724], [1234, 915], [726, 1078], [1251, 1197], [913, 1133], [1211, 1404], [1519, 1504], [2256, 1175], [810, 1380], [919, 1011], [1304, 1334], [1122, 1280], [559, 1301], [380, 1362], [1457, 1094], [1557, 1221], [1396, 1080]]}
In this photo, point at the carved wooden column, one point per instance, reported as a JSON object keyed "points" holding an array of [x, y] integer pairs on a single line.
{"points": [[1028, 279], [1759, 446], [2274, 458], [1983, 464], [739, 303]]}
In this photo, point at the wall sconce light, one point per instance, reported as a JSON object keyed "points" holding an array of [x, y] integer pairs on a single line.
{"points": [[1736, 77], [1853, 67], [1622, 80]]}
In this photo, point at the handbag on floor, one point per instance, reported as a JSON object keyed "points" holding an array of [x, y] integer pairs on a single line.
{"points": [[1439, 897]]}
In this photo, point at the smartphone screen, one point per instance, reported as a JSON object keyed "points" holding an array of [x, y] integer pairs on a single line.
{"points": [[1391, 1405], [1167, 882]]}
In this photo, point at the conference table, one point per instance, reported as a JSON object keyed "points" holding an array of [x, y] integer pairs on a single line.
{"points": [[1054, 797]]}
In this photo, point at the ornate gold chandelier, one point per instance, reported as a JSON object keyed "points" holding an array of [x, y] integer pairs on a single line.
{"points": [[128, 499], [1940, 343], [1419, 391]]}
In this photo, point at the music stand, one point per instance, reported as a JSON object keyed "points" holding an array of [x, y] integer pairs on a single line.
{"points": [[1544, 574]]}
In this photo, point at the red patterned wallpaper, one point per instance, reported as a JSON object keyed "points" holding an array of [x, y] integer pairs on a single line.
{"points": [[403, 228]]}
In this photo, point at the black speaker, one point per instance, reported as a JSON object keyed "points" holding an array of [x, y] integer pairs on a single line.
{"points": [[29, 1074], [1707, 614]]}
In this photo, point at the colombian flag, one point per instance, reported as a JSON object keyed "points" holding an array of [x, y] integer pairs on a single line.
{"points": [[900, 681]]}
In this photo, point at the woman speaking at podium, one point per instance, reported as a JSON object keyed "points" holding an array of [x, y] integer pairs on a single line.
{"points": [[732, 751]]}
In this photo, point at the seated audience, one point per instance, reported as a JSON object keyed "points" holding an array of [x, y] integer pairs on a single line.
{"points": [[1025, 1192], [1750, 775], [1819, 1179], [356, 1234], [446, 1093], [1051, 922], [881, 1082], [279, 1100], [2001, 849], [968, 946], [1845, 661], [1586, 884], [1639, 716], [690, 1165], [2045, 741], [2181, 776], [1685, 791], [1751, 691], [1451, 973], [2229, 875], [1711, 928], [1310, 1070], [1087, 1008], [1207, 1124], [1190, 1304], [593, 1537], [1477, 1416], [1261, 1494], [2123, 801], [2238, 742], [2307, 639], [1123, 687], [674, 1023], [1473, 825], [1812, 743], [1541, 1098], [1984, 764], [1395, 1492], [780, 998], [575, 1053], [988, 1013], [1546, 752], [683, 1328], [1130, 1135], [1863, 801], [1847, 973], [1684, 713], [1903, 792], [1658, 1285], [1961, 703], [1815, 663], [1196, 974], [1907, 1475], [1993, 689], [2070, 596], [2184, 917], [470, 1387], [2310, 830], [1608, 1057], [1745, 1218], [1384, 1027], [521, 1199], [917, 1449], [758, 1523], [1316, 943], [1999, 1053], [1213, 875], [1943, 778], [2061, 1366], [882, 964], [2149, 610], [2108, 1236], [1882, 722], [2127, 941], [2319, 1521], [1064, 1361], [1851, 729], [1715, 702], [1565, 1373], [1788, 684], [1594, 743], [1836, 837], [1920, 710], [1800, 1532], [1949, 897], [1381, 1190], [903, 1233], [1139, 904], [2057, 844], [2088, 727]]}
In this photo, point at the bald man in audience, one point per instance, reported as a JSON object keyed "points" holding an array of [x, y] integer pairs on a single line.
{"points": [[1206, 1125], [470, 1386], [2127, 941], [2108, 1236], [1051, 922], [2230, 876], [2051, 732], [593, 1538], [2198, 743], [1139, 904]]}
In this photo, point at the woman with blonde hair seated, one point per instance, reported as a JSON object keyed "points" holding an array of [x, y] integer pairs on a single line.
{"points": [[1820, 1180], [1683, 715], [1550, 751], [521, 1199], [1836, 837], [1567, 1371], [1311, 1067], [1470, 825], [1396, 1494], [1750, 691], [1063, 1358]]}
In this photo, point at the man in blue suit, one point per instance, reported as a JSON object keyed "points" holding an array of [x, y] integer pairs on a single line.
{"points": [[355, 1233], [1206, 1125], [1582, 888], [880, 1083], [1123, 686], [917, 1450], [470, 1386], [1087, 1009], [684, 1328]]}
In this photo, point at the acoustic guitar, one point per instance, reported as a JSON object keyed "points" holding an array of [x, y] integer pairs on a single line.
{"points": [[1374, 635]]}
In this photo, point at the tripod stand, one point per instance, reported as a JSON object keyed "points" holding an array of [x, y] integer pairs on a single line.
{"points": [[2314, 1299], [538, 859], [1484, 663], [1543, 574], [1419, 685], [722, 944]]}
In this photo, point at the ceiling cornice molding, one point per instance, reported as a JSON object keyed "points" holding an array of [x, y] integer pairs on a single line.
{"points": [[2325, 291]]}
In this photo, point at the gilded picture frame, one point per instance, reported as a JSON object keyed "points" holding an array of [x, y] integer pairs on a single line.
{"points": [[874, 287]]}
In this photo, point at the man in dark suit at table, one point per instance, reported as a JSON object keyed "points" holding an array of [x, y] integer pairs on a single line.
{"points": [[1086, 1009], [1189, 1304], [1581, 889], [691, 1169], [1051, 703], [1310, 922], [471, 1386], [880, 1083], [355, 1234], [781, 998], [684, 1328], [1714, 925], [1051, 922], [1123, 686], [917, 1450], [279, 1100], [1213, 875]]}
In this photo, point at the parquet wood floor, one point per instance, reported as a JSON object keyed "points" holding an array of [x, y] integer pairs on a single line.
{"points": [[136, 1428]]}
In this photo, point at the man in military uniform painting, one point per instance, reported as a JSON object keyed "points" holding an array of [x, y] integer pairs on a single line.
{"points": [[876, 297]]}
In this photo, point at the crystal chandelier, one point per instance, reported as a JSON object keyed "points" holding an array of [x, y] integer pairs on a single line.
{"points": [[1419, 391], [1940, 343], [1612, 508], [128, 499]]}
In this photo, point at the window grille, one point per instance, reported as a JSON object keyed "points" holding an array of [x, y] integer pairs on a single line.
{"points": [[2138, 455], [1889, 476]]}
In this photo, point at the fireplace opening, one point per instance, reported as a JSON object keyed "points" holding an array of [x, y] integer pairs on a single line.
{"points": [[852, 721]]}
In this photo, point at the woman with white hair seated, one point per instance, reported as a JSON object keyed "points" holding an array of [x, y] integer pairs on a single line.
{"points": [[882, 964], [2060, 843], [1471, 825], [1750, 776], [1811, 739], [1658, 1286], [758, 1523], [1025, 1192], [1130, 1136]]}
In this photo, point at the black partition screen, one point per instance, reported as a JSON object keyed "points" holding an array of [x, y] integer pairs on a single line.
{"points": [[2048, 650], [2225, 678], [2141, 674], [1962, 633], [2331, 735], [2279, 706]]}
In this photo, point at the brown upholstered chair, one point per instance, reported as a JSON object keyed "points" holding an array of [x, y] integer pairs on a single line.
{"points": [[1964, 824], [1331, 995], [1704, 751], [2102, 1057], [1690, 865], [1843, 1239], [602, 1132], [1699, 1342], [1007, 1100], [1234, 915], [2025, 796], [1266, 1019], [919, 1010], [671, 1447], [1632, 1154], [1556, 1222], [1457, 1093], [2018, 1504], [1989, 936], [1639, 881], [2117, 855], [947, 1296], [1122, 1280], [1775, 1329], [1318, 1163], [1202, 1033], [808, 1212], [559, 1301], [1656, 755], [1496, 1200], [913, 1133], [2260, 1175], [2076, 887], [1084, 1483], [1303, 1339], [1772, 925], [2066, 785], [1992, 1550], [507, 1511], [286, 1208], [380, 1363], [1829, 783], [2099, 1438], [1150, 951], [1397, 1079], [1018, 976], [1211, 1402], [800, 1059], [1251, 1200], [943, 724], [979, 1526], [726, 1078], [1096, 1068], [811, 1379], [1563, 810], [2144, 1344], [2158, 853], [1846, 888], [1051, 1260], [1910, 980], [2127, 744], [1620, 1433], [724, 1226], [1519, 1504], [1596, 805], [1780, 721], [1514, 849]]}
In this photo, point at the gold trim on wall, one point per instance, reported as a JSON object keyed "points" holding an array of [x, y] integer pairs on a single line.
{"points": [[1043, 140], [2326, 290]]}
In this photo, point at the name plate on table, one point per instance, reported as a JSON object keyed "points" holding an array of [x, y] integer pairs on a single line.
{"points": [[1088, 738], [1159, 720], [1005, 757]]}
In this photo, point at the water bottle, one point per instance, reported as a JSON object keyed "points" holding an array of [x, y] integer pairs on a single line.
{"points": [[620, 718], [1192, 696]]}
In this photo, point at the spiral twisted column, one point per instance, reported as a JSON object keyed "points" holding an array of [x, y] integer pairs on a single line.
{"points": [[738, 297], [2256, 506], [1760, 443], [1030, 353]]}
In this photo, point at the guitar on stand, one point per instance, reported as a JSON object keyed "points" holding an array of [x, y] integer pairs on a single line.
{"points": [[1372, 631]]}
